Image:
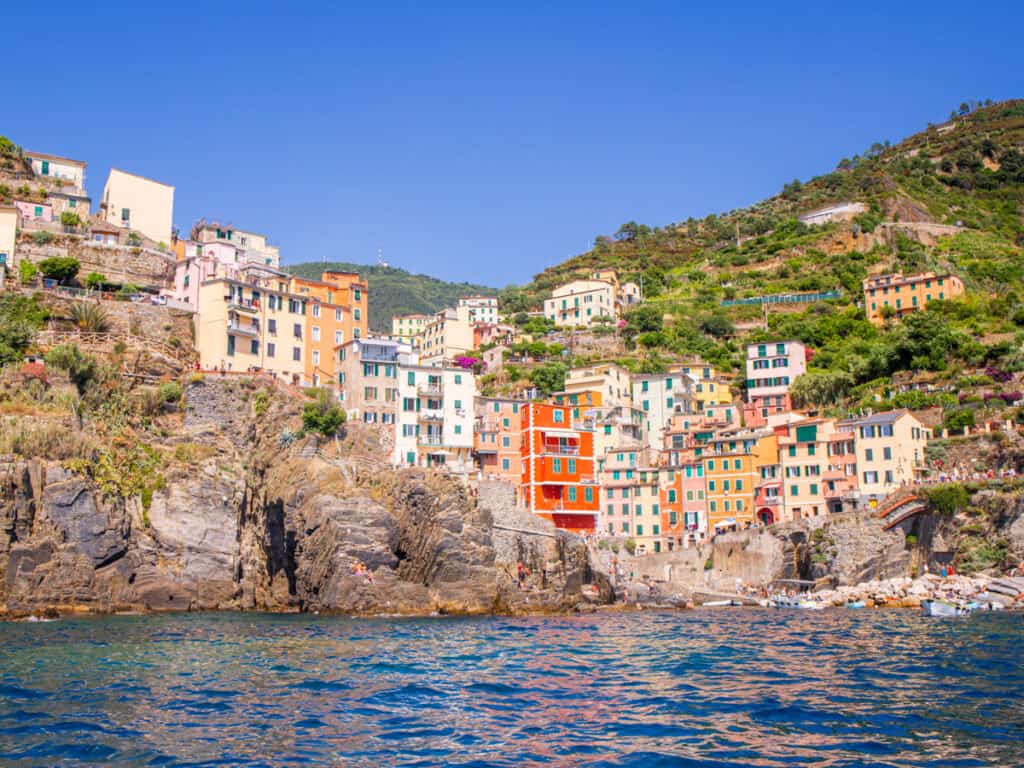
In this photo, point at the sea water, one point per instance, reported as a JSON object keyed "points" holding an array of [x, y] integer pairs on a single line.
{"points": [[728, 687]]}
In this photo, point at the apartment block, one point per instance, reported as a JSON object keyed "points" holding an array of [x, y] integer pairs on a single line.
{"points": [[409, 328], [771, 369], [240, 247], [804, 461], [732, 462], [367, 378], [435, 417], [660, 397], [446, 336], [684, 520], [479, 309], [890, 451], [136, 203], [558, 481], [607, 384], [337, 313], [497, 440], [630, 499], [903, 294]]}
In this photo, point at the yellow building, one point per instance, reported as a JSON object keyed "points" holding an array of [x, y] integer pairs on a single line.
{"points": [[140, 204], [804, 462], [612, 382], [732, 470], [906, 294], [890, 451], [409, 328]]}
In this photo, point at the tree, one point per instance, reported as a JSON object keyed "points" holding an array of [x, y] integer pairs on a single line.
{"points": [[70, 219], [825, 388], [549, 377], [27, 271], [89, 316], [95, 280], [322, 415], [81, 368], [59, 268], [716, 325], [20, 318]]}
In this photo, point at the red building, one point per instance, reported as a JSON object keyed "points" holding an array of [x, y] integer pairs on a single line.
{"points": [[558, 468]]}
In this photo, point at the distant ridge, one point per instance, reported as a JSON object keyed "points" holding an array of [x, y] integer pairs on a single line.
{"points": [[395, 291]]}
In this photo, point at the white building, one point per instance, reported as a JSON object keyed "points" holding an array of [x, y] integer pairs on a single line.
{"points": [[70, 172], [480, 309], [837, 212], [661, 396], [435, 417]]}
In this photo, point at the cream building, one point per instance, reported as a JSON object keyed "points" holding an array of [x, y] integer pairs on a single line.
{"points": [[890, 451], [8, 234], [446, 336], [613, 382], [140, 204], [257, 324], [367, 378], [70, 172], [435, 417], [581, 302], [479, 309], [409, 328]]}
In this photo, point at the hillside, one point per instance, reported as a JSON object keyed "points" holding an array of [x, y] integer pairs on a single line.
{"points": [[950, 198], [396, 291]]}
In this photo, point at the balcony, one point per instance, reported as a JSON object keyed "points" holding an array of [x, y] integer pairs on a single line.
{"points": [[245, 305], [561, 450], [431, 441], [429, 390], [430, 415], [244, 330]]}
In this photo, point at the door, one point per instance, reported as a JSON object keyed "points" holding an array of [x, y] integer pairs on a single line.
{"points": [[46, 167]]}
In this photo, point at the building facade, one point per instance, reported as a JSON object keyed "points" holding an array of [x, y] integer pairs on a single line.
{"points": [[136, 203], [771, 369], [497, 440], [367, 378], [558, 481], [897, 295], [435, 417]]}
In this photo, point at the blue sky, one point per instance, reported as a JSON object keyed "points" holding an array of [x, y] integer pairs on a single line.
{"points": [[484, 144]]}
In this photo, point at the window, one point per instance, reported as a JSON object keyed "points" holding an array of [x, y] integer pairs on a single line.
{"points": [[713, 506], [588, 494], [231, 346], [639, 530], [870, 477], [458, 405], [559, 416], [739, 485], [316, 357], [711, 486], [316, 310], [458, 429], [814, 489], [794, 490], [887, 454], [254, 347], [316, 333], [297, 353], [411, 378], [271, 349], [556, 466], [356, 314], [297, 330], [357, 295], [126, 215], [572, 466], [458, 378], [869, 454], [572, 493], [337, 315]]}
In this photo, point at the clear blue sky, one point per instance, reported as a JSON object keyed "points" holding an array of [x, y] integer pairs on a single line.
{"points": [[486, 144]]}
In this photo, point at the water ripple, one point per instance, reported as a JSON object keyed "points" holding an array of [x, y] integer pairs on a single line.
{"points": [[727, 688]]}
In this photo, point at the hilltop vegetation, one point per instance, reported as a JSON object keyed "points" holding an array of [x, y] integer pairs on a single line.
{"points": [[950, 198], [395, 291]]}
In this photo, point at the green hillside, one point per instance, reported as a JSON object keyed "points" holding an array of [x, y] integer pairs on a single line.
{"points": [[968, 171], [395, 291]]}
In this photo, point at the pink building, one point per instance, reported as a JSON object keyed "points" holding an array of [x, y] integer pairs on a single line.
{"points": [[29, 211]]}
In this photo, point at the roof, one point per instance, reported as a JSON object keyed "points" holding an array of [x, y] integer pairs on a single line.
{"points": [[58, 158], [8, 208], [888, 417], [103, 226], [139, 176]]}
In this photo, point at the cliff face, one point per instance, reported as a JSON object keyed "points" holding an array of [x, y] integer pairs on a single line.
{"points": [[259, 526]]}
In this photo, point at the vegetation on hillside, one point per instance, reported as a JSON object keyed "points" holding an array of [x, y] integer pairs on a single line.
{"points": [[967, 173], [395, 291]]}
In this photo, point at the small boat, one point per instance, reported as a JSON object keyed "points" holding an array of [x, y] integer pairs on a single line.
{"points": [[856, 605], [720, 603], [943, 609]]}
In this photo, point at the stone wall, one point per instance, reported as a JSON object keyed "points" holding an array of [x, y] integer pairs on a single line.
{"points": [[518, 535], [139, 319], [121, 263]]}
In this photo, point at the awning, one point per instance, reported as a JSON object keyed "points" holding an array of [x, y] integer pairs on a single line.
{"points": [[725, 523]]}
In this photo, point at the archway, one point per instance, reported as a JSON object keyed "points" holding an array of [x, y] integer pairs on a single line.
{"points": [[766, 516]]}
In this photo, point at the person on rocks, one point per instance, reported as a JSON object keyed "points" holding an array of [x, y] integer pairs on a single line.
{"points": [[521, 574]]}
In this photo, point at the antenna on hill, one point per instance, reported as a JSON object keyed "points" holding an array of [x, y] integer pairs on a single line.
{"points": [[380, 258]]}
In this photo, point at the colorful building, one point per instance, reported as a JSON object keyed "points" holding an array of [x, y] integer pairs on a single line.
{"points": [[804, 461], [367, 378], [497, 440], [732, 462], [771, 369], [409, 328], [558, 481], [337, 313], [890, 452], [906, 294], [660, 397], [630, 499]]}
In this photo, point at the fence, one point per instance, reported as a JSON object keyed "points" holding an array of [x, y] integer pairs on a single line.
{"points": [[106, 340], [783, 298]]}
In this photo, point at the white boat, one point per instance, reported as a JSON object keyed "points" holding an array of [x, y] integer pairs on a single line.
{"points": [[943, 609]]}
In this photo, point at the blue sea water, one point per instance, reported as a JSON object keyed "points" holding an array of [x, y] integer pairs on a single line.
{"points": [[699, 688]]}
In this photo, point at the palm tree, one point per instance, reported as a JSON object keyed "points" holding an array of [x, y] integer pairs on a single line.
{"points": [[90, 316]]}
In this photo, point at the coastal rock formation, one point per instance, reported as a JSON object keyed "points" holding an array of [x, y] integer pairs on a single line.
{"points": [[286, 535]]}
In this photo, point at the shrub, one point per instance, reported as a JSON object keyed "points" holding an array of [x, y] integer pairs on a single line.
{"points": [[42, 238], [948, 499], [322, 415], [70, 219], [261, 402], [81, 368], [59, 268], [170, 392], [95, 280], [27, 271], [958, 419], [630, 546]]}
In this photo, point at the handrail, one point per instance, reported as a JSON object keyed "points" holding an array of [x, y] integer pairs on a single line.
{"points": [[95, 338]]}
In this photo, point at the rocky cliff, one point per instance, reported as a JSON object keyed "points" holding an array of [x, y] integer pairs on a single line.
{"points": [[266, 523]]}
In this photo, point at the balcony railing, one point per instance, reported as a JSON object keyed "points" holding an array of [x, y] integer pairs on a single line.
{"points": [[431, 415], [429, 440], [247, 305], [429, 389], [561, 450]]}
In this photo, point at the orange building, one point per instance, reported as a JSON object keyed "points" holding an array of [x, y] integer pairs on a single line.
{"points": [[558, 468], [904, 294], [337, 314], [497, 439]]}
